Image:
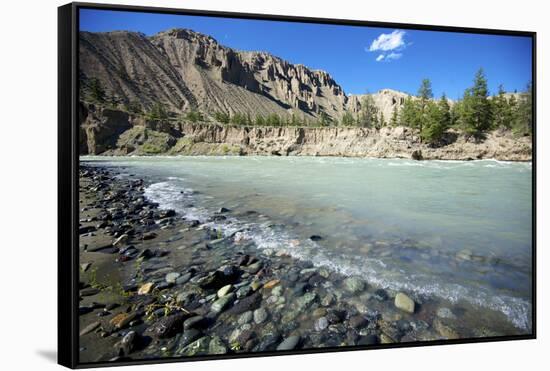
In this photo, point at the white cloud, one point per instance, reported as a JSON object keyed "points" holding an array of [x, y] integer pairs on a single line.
{"points": [[393, 56], [389, 44], [388, 41]]}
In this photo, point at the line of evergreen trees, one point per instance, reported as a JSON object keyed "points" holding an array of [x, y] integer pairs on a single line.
{"points": [[475, 114]]}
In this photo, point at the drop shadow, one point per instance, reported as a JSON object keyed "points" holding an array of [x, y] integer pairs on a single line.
{"points": [[50, 355]]}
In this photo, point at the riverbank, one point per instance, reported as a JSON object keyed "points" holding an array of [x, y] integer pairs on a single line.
{"points": [[156, 285], [113, 132]]}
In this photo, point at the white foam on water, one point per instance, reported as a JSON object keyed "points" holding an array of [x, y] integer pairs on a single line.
{"points": [[171, 194]]}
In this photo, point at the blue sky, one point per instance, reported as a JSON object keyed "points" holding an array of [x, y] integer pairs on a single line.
{"points": [[360, 59]]}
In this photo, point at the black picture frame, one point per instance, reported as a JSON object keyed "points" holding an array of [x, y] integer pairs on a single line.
{"points": [[68, 163]]}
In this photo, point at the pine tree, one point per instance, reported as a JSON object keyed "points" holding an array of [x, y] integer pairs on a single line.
{"points": [[157, 112], [193, 116], [97, 93], [222, 117], [424, 94], [133, 107], [375, 122], [260, 121], [368, 113], [524, 112], [434, 122], [273, 119], [476, 116], [324, 119], [294, 120], [502, 113], [394, 116], [381, 120], [410, 113], [445, 112], [347, 119]]}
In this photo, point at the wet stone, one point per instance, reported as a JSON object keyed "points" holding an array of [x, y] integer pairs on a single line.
{"points": [[260, 315], [321, 324], [289, 343]]}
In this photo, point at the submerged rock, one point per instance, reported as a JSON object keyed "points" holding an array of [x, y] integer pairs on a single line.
{"points": [[198, 346], [260, 315], [172, 277], [404, 303], [289, 343], [222, 303], [167, 326], [445, 330], [354, 285], [188, 337], [304, 301], [321, 324], [216, 346], [224, 290], [127, 344], [445, 312], [196, 322], [249, 303], [245, 318], [91, 327]]}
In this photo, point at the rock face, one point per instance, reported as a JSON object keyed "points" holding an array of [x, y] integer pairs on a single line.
{"points": [[385, 101], [187, 70], [112, 132]]}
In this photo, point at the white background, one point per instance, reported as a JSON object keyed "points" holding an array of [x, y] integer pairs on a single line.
{"points": [[28, 182]]}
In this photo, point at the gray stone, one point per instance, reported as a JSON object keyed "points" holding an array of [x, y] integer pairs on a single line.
{"points": [[289, 343], [91, 327], [357, 322], [444, 329], [327, 300], [368, 340], [354, 285], [305, 301], [188, 337], [244, 291], [216, 346], [222, 303], [183, 279], [196, 322], [260, 315], [444, 312], [127, 344], [246, 317], [172, 277], [464, 254], [321, 324], [254, 268], [167, 326], [199, 346]]}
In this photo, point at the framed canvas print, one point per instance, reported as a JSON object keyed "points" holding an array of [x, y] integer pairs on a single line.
{"points": [[237, 185]]}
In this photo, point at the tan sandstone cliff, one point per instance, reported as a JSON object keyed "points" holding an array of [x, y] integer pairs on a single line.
{"points": [[111, 132]]}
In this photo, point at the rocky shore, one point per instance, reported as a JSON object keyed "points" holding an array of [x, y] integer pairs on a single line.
{"points": [[153, 284], [107, 131]]}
